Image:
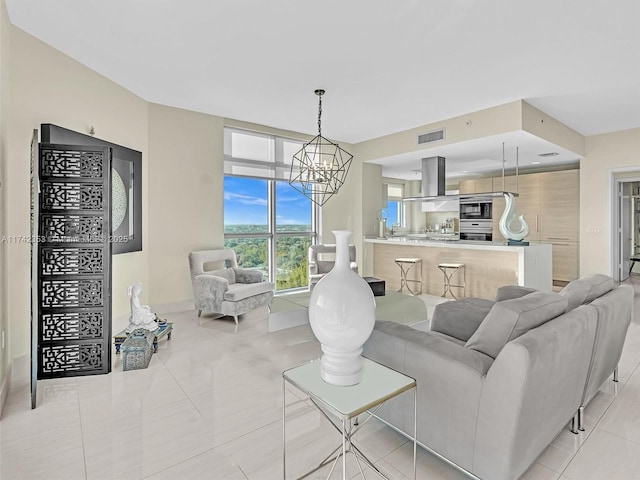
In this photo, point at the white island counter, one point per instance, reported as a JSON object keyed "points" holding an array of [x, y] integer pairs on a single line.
{"points": [[488, 265]]}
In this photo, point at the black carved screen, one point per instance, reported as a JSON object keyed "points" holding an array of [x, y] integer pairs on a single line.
{"points": [[74, 261]]}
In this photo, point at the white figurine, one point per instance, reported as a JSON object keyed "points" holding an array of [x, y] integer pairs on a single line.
{"points": [[141, 316]]}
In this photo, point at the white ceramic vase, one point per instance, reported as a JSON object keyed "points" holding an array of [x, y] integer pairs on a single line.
{"points": [[342, 313]]}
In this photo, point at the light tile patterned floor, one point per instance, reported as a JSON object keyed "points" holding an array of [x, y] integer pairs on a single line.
{"points": [[210, 406]]}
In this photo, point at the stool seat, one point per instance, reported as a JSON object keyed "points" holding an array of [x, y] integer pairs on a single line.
{"points": [[449, 269], [450, 265], [408, 260], [406, 264]]}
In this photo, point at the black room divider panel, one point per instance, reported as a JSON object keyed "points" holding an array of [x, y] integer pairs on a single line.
{"points": [[74, 261]]}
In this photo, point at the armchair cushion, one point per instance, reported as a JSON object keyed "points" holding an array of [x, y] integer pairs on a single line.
{"points": [[239, 291], [227, 273], [245, 275], [324, 266], [509, 319]]}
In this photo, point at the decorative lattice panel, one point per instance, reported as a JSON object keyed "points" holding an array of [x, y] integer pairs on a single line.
{"points": [[72, 325], [71, 293], [72, 196], [74, 261], [70, 163], [59, 360], [58, 227]]}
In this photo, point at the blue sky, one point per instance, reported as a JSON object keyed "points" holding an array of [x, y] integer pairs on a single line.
{"points": [[245, 202]]}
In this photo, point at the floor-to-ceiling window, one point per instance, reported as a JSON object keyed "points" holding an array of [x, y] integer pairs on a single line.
{"points": [[395, 207], [269, 224]]}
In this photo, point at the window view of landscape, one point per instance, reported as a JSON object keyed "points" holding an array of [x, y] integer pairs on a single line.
{"points": [[247, 230]]}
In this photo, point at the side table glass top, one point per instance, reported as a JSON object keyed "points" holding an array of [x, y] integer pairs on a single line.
{"points": [[378, 384]]}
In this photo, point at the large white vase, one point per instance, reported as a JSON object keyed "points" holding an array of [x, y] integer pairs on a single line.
{"points": [[342, 313]]}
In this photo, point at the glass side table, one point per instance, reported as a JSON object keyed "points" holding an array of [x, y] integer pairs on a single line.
{"points": [[342, 405]]}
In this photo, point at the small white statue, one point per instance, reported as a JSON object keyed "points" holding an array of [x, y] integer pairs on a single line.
{"points": [[141, 316]]}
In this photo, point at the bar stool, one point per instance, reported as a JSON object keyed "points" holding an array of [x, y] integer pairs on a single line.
{"points": [[449, 269], [405, 265]]}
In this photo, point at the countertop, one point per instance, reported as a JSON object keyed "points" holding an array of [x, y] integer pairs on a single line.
{"points": [[417, 240]]}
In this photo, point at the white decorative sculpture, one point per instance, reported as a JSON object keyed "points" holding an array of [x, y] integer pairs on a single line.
{"points": [[508, 217], [141, 316]]}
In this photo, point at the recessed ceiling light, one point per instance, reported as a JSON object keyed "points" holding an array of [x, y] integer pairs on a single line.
{"points": [[549, 154], [535, 163]]}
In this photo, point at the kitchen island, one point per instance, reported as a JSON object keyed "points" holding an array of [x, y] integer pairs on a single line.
{"points": [[488, 265]]}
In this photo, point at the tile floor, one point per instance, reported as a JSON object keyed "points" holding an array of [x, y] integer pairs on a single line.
{"points": [[210, 406]]}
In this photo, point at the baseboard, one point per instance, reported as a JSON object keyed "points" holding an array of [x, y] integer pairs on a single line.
{"points": [[4, 388]]}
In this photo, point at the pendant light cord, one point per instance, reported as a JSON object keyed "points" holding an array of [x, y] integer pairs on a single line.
{"points": [[320, 113]]}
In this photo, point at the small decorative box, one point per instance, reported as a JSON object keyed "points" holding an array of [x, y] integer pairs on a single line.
{"points": [[377, 286], [137, 349]]}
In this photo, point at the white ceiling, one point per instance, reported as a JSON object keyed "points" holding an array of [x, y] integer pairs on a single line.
{"points": [[386, 65]]}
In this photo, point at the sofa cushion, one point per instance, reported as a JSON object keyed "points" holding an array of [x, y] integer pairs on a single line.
{"points": [[227, 273], [460, 318], [239, 291], [586, 289], [511, 318], [512, 291]]}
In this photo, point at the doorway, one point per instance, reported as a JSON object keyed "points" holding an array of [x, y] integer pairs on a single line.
{"points": [[626, 225]]}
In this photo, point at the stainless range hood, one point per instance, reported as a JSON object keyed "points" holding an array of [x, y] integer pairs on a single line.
{"points": [[434, 184]]}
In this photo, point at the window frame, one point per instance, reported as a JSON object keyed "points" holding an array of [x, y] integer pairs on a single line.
{"points": [[279, 164]]}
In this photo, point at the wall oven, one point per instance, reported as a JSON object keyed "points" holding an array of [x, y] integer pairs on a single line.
{"points": [[478, 230], [476, 208]]}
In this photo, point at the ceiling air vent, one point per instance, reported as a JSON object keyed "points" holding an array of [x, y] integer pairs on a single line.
{"points": [[549, 154], [429, 137]]}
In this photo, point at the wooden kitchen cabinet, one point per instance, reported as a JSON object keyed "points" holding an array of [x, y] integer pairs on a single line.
{"points": [[559, 205], [476, 185], [565, 260]]}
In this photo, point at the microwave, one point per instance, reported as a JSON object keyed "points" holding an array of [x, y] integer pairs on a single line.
{"points": [[476, 208]]}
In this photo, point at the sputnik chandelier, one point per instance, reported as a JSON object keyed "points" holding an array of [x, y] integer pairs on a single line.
{"points": [[320, 167]]}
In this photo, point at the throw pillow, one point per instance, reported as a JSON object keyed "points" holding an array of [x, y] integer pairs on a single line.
{"points": [[511, 318], [227, 273], [586, 289]]}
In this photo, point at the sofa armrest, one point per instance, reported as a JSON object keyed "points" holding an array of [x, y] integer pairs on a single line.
{"points": [[460, 318], [508, 292], [246, 275], [531, 392], [449, 379], [208, 291]]}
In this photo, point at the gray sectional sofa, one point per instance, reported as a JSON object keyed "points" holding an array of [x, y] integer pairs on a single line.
{"points": [[498, 380]]}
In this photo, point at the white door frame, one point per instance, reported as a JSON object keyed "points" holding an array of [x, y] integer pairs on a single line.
{"points": [[613, 185]]}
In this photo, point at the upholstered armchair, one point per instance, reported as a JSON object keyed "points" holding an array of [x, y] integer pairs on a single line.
{"points": [[219, 286], [322, 259]]}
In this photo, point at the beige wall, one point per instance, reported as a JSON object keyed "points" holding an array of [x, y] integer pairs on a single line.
{"points": [[49, 87], [344, 211], [548, 128], [185, 196], [606, 154], [4, 107]]}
